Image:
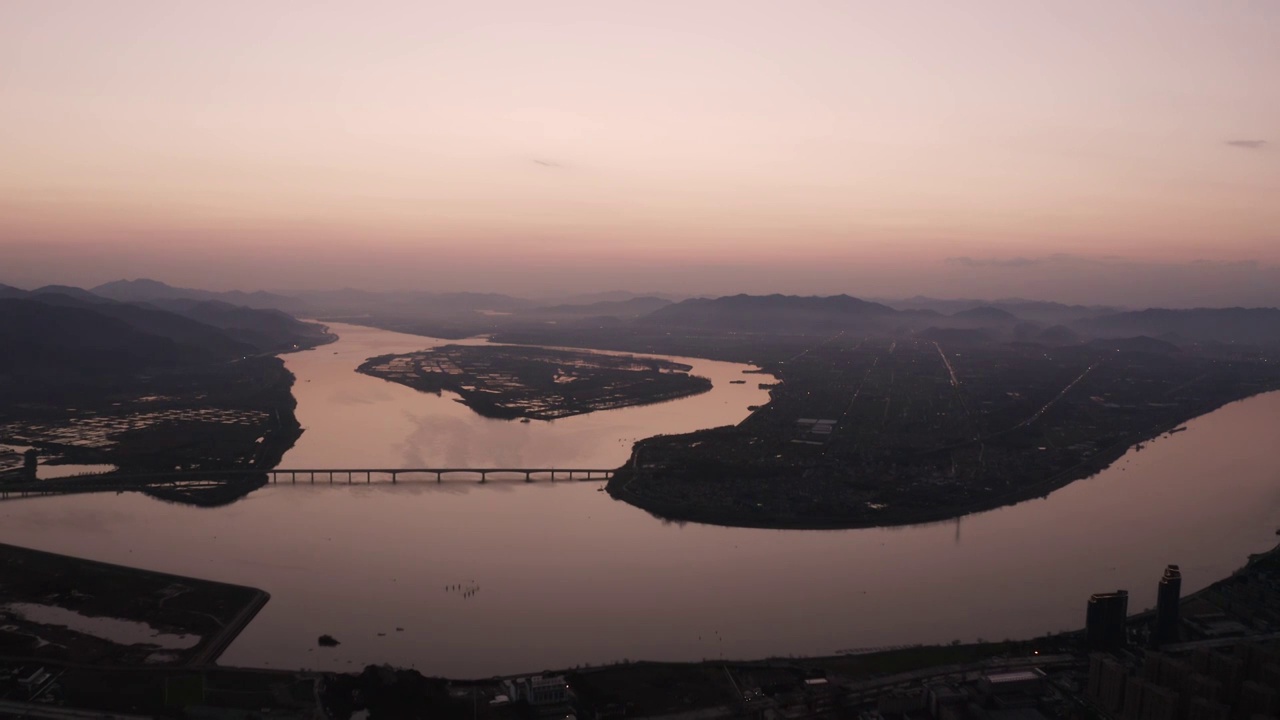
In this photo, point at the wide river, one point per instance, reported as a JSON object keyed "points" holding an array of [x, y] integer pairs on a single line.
{"points": [[557, 575]]}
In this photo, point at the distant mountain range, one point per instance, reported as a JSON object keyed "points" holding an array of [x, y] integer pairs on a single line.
{"points": [[631, 307], [152, 290], [58, 328], [265, 322], [1253, 326], [773, 313], [349, 303], [41, 337], [1034, 310], [1019, 320]]}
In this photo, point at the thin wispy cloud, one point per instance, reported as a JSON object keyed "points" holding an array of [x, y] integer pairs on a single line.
{"points": [[994, 262], [1248, 144], [546, 163]]}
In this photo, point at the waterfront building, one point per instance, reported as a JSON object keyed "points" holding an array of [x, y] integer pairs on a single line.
{"points": [[1105, 620], [1167, 603], [29, 460], [538, 690]]}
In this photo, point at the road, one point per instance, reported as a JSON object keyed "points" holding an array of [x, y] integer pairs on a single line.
{"points": [[9, 708]]}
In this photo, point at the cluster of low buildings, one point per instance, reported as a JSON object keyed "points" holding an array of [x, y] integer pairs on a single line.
{"points": [[492, 377], [1015, 694], [814, 430], [29, 683], [97, 431]]}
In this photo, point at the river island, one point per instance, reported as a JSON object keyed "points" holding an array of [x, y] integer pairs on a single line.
{"points": [[509, 382]]}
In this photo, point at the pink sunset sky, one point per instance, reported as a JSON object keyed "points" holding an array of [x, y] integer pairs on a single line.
{"points": [[1115, 151]]}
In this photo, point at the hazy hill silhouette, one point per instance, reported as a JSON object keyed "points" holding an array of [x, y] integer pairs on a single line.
{"points": [[784, 314], [1141, 343], [631, 307], [203, 338], [265, 330], [1260, 326], [774, 314], [57, 328], [986, 313], [1052, 313], [145, 290], [37, 336], [67, 291]]}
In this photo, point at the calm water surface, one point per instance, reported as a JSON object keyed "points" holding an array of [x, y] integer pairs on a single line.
{"points": [[564, 575]]}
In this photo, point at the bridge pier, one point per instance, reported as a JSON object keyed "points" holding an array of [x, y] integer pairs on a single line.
{"points": [[528, 476], [438, 474], [484, 477], [393, 477]]}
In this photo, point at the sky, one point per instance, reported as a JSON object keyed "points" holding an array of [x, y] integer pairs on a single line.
{"points": [[1121, 152]]}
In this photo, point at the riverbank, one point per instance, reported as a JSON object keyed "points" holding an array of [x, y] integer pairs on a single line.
{"points": [[63, 608], [622, 487]]}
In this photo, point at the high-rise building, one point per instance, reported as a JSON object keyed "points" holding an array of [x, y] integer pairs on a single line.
{"points": [[1104, 620], [1167, 602], [29, 464]]}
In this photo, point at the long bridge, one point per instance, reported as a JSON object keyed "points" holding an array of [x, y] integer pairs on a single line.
{"points": [[276, 474], [312, 475]]}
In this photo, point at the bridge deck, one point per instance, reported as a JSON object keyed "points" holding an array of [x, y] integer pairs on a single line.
{"points": [[135, 481]]}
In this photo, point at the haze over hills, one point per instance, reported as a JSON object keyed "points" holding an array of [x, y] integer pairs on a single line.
{"points": [[1037, 310], [266, 330], [763, 313], [145, 290], [1260, 326], [790, 314], [42, 337], [60, 327], [631, 307], [267, 321]]}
